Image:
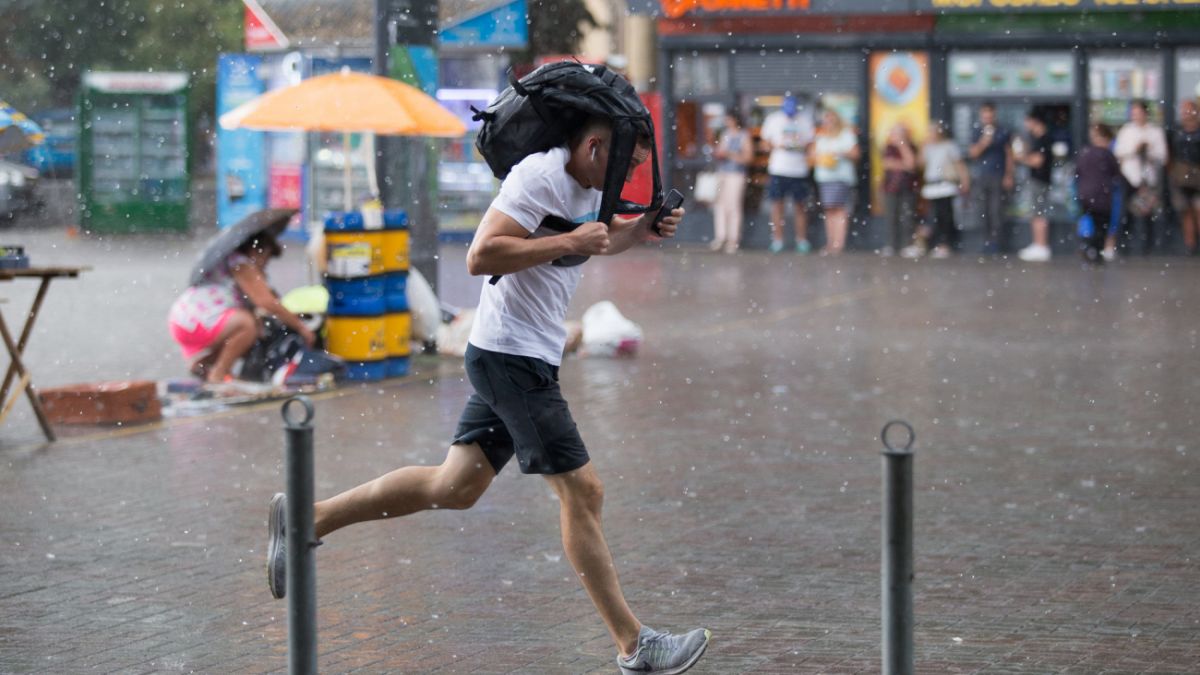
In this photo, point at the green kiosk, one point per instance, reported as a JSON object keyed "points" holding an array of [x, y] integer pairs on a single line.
{"points": [[134, 147]]}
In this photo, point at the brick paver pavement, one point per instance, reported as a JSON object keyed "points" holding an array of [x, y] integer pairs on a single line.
{"points": [[1056, 490]]}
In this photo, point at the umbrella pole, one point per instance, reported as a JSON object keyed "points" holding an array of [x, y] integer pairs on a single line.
{"points": [[347, 201]]}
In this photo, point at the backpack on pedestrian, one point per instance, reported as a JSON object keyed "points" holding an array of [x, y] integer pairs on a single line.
{"points": [[539, 111]]}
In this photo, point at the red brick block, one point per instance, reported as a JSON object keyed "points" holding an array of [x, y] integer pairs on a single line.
{"points": [[103, 403]]}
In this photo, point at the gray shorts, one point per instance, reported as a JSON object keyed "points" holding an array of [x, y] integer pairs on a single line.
{"points": [[517, 408], [1039, 199]]}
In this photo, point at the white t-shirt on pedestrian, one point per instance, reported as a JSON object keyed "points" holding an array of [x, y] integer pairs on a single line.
{"points": [[523, 313], [789, 138], [941, 170]]}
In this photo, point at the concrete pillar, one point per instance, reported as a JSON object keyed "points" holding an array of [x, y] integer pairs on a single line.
{"points": [[641, 48]]}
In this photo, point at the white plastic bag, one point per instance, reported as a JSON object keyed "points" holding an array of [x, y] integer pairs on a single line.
{"points": [[607, 333], [426, 312], [452, 337]]}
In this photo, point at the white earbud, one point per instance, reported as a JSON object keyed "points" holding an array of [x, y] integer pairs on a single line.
{"points": [[593, 153]]}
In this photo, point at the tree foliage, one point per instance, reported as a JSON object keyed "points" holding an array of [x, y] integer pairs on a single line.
{"points": [[45, 47]]}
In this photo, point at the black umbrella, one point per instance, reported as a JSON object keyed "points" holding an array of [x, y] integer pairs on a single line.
{"points": [[271, 221]]}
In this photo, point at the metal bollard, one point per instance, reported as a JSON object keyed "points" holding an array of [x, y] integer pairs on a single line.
{"points": [[301, 542], [897, 567]]}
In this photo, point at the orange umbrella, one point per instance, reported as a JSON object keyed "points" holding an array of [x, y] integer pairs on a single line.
{"points": [[347, 102]]}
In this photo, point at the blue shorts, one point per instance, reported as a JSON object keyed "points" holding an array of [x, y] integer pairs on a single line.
{"points": [[517, 408], [779, 187]]}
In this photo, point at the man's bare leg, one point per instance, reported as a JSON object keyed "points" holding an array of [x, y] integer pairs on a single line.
{"points": [[581, 496], [456, 484], [801, 215], [778, 211]]}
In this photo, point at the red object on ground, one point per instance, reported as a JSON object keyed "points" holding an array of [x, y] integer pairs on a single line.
{"points": [[103, 403]]}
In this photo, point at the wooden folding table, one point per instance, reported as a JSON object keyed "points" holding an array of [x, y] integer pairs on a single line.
{"points": [[16, 349]]}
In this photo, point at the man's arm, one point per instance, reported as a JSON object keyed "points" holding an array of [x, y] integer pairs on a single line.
{"points": [[502, 246], [625, 232]]}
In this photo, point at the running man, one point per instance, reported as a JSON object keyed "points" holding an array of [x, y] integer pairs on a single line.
{"points": [[512, 361]]}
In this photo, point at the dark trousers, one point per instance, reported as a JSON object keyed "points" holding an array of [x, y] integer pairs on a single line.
{"points": [[1093, 245], [944, 232], [1141, 233], [900, 209], [990, 199]]}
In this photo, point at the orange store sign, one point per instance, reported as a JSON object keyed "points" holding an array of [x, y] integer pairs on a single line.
{"points": [[676, 8]]}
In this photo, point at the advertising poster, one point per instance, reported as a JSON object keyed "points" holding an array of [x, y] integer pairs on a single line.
{"points": [[241, 164], [899, 95]]}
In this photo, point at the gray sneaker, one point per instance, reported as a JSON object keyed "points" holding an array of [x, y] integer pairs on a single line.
{"points": [[277, 546], [663, 653]]}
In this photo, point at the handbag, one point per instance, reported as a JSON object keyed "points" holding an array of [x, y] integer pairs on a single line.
{"points": [[1185, 176], [1144, 201], [705, 189]]}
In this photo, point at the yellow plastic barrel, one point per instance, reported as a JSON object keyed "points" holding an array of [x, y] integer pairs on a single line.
{"points": [[397, 326], [395, 250], [357, 338], [353, 254]]}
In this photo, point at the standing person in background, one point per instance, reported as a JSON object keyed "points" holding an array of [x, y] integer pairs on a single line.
{"points": [[1142, 151], [1040, 160], [734, 153], [946, 177], [835, 156], [786, 134], [899, 187], [1185, 173], [1097, 177], [993, 157]]}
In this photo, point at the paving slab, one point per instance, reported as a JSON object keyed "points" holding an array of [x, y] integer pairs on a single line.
{"points": [[1055, 410]]}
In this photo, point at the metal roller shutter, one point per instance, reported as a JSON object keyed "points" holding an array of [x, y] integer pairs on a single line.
{"points": [[808, 72]]}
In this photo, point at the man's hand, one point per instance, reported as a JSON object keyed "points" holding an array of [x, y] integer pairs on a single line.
{"points": [[666, 227], [590, 239]]}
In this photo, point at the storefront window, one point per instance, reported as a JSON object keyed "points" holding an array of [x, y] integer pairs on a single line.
{"points": [[1187, 75], [699, 74], [1115, 79]]}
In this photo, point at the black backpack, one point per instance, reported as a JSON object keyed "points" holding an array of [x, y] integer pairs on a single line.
{"points": [[538, 112]]}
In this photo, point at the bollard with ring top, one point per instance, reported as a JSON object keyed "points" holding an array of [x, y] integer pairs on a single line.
{"points": [[301, 540], [897, 566]]}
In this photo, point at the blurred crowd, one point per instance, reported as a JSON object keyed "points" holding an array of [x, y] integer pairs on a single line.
{"points": [[1128, 186]]}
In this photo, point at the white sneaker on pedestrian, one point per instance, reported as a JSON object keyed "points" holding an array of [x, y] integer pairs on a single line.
{"points": [[1109, 254], [1034, 253], [940, 252], [912, 252], [665, 654]]}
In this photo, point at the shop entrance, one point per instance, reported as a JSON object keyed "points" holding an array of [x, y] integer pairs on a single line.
{"points": [[1019, 83], [1011, 115]]}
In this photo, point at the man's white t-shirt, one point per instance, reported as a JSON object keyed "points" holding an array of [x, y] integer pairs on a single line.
{"points": [[523, 313], [788, 137]]}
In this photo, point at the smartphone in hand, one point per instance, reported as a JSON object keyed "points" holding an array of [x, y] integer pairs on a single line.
{"points": [[673, 201]]}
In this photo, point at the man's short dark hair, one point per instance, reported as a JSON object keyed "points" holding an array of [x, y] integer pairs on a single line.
{"points": [[988, 105], [1103, 130], [593, 124], [1143, 104]]}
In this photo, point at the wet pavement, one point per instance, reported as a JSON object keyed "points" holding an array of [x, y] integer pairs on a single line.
{"points": [[1056, 478]]}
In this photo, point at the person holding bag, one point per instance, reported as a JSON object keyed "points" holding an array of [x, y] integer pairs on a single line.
{"points": [[734, 153]]}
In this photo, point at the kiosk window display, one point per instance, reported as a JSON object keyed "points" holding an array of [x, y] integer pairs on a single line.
{"points": [[1187, 75], [1117, 78]]}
